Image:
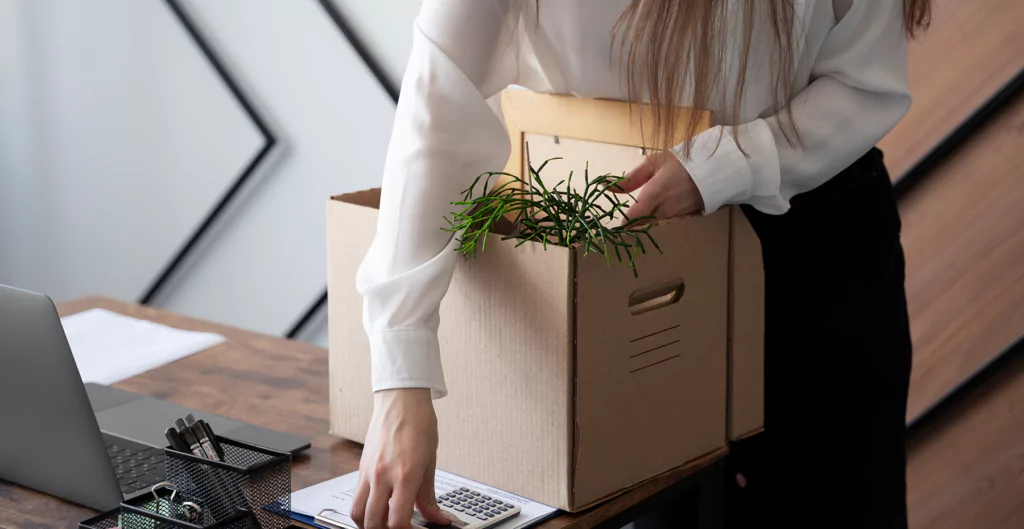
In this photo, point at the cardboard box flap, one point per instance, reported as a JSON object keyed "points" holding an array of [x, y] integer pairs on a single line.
{"points": [[746, 329], [368, 198]]}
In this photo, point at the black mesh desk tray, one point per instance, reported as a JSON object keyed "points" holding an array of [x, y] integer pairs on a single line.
{"points": [[250, 489]]}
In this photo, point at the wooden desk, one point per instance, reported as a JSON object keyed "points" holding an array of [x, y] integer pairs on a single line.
{"points": [[282, 384]]}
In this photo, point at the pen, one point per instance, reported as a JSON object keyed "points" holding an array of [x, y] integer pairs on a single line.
{"points": [[223, 490], [190, 439], [175, 440], [213, 438], [204, 439]]}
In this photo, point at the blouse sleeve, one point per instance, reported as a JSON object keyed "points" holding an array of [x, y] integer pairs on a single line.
{"points": [[857, 94], [445, 134]]}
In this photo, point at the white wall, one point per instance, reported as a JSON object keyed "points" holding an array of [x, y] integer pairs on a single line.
{"points": [[317, 333], [116, 137], [386, 28], [268, 264], [18, 191]]}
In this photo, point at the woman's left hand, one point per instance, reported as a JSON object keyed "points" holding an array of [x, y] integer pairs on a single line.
{"points": [[666, 189]]}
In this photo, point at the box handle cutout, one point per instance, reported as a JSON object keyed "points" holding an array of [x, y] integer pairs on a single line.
{"points": [[656, 297]]}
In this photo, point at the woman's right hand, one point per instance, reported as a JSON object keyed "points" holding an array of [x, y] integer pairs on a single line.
{"points": [[398, 462]]}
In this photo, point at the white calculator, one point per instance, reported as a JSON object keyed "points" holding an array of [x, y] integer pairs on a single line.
{"points": [[474, 509]]}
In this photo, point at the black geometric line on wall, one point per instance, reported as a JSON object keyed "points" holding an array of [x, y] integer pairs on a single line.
{"points": [[928, 420], [958, 136], [378, 72], [971, 384], [269, 140], [357, 44]]}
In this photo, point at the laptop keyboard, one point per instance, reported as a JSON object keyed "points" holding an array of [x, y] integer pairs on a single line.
{"points": [[137, 466]]}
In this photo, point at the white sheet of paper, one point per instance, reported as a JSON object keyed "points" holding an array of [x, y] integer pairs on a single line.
{"points": [[337, 494], [109, 347]]}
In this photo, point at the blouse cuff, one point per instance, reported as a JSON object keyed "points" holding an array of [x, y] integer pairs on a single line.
{"points": [[723, 174], [407, 359]]}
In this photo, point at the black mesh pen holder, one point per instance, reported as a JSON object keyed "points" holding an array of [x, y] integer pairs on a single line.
{"points": [[250, 479]]}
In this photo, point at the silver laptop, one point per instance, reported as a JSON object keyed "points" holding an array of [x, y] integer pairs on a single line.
{"points": [[86, 443]]}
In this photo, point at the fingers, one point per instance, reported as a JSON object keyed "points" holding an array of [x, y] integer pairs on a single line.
{"points": [[400, 511], [647, 202], [359, 500], [643, 207], [377, 506], [637, 177], [400, 446], [426, 499]]}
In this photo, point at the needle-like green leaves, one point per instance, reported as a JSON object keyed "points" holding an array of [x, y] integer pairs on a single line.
{"points": [[557, 215]]}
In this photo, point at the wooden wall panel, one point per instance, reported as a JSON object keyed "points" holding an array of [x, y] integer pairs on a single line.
{"points": [[963, 230], [967, 472], [971, 51]]}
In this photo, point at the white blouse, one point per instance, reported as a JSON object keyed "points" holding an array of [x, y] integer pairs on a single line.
{"points": [[850, 81]]}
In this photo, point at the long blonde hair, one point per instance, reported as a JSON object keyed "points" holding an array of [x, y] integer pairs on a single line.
{"points": [[669, 44]]}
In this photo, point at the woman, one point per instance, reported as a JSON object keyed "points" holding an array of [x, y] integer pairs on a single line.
{"points": [[801, 90]]}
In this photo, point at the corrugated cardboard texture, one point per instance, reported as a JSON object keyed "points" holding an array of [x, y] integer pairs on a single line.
{"points": [[651, 387], [349, 370], [674, 356], [746, 340], [508, 366], [505, 337]]}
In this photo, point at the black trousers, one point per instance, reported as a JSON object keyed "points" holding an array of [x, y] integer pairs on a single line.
{"points": [[837, 364]]}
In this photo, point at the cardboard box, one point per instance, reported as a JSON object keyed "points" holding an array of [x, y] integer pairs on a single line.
{"points": [[569, 381], [538, 119], [746, 329], [557, 391]]}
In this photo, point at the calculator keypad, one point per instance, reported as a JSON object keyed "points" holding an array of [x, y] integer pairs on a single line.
{"points": [[474, 504]]}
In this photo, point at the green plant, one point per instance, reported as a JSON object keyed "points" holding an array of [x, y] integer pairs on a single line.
{"points": [[556, 215]]}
